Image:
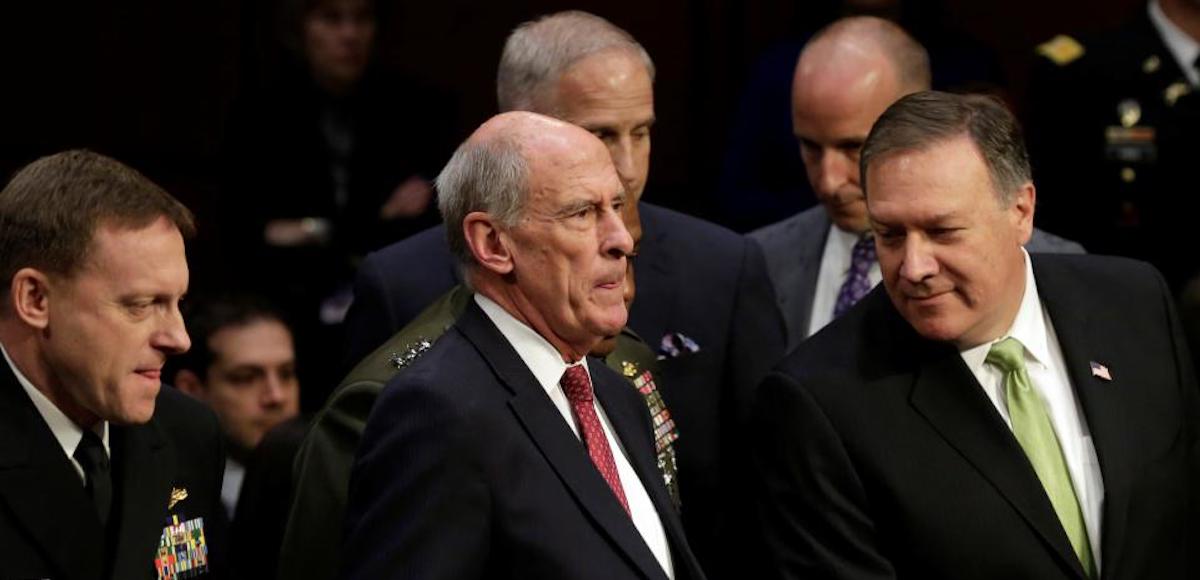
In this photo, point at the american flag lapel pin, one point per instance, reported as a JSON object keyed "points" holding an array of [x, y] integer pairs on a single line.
{"points": [[1100, 371]]}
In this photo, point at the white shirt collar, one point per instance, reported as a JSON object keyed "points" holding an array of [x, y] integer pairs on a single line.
{"points": [[543, 360], [1029, 327], [1184, 48], [64, 429], [844, 239]]}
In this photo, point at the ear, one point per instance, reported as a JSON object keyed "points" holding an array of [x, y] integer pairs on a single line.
{"points": [[1022, 211], [488, 243], [30, 297], [188, 382]]}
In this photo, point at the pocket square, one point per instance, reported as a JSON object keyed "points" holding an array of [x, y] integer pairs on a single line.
{"points": [[674, 344]]}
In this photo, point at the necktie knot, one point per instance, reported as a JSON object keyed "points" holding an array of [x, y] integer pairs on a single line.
{"points": [[576, 384], [90, 453], [858, 281], [1034, 431], [863, 253], [1008, 355]]}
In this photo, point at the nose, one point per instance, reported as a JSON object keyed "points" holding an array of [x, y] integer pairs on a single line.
{"points": [[919, 262], [274, 392], [172, 336], [834, 171], [615, 239]]}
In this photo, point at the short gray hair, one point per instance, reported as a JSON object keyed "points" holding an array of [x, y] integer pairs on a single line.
{"points": [[539, 51], [490, 176], [920, 120]]}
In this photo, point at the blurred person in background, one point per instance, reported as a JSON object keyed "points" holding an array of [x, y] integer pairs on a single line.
{"points": [[328, 159], [761, 178], [1113, 122], [243, 365]]}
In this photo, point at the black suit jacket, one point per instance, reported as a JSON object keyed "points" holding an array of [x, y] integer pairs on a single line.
{"points": [[467, 470], [48, 527], [885, 459], [693, 278]]}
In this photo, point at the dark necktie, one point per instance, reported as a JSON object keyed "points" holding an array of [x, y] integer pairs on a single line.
{"points": [[91, 456], [577, 385], [857, 283]]}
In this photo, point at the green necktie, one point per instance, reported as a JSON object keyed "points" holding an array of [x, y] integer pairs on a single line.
{"points": [[1031, 425]]}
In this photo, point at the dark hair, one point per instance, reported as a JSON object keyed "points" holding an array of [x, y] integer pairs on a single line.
{"points": [[205, 316], [289, 18], [51, 209], [920, 120]]}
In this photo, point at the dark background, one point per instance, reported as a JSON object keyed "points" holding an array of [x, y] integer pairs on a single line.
{"points": [[150, 82]]}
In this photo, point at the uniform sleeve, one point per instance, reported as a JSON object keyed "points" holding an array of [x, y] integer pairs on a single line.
{"points": [[371, 319], [313, 536]]}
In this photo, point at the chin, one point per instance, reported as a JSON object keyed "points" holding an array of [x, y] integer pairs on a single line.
{"points": [[142, 409], [933, 328], [612, 320], [136, 415]]}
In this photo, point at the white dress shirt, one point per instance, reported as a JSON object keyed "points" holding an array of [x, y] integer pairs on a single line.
{"points": [[1048, 372], [64, 429], [547, 366], [835, 267], [231, 485], [1184, 48]]}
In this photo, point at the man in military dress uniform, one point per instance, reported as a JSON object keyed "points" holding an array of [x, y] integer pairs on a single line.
{"points": [[1113, 123], [105, 473], [311, 544]]}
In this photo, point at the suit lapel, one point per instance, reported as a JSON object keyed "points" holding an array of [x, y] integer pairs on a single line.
{"points": [[654, 270], [142, 469], [948, 396], [630, 427], [563, 451], [809, 267], [42, 489], [1106, 405]]}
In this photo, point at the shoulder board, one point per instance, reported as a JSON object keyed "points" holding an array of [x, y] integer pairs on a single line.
{"points": [[1061, 49], [411, 352]]}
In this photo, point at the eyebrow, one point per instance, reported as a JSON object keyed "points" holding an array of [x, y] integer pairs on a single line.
{"points": [[601, 126], [936, 219]]}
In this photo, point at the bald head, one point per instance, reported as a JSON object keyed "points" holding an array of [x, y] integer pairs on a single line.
{"points": [[493, 170], [857, 49], [847, 75]]}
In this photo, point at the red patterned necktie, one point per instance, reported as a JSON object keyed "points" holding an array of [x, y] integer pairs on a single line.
{"points": [[578, 388]]}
